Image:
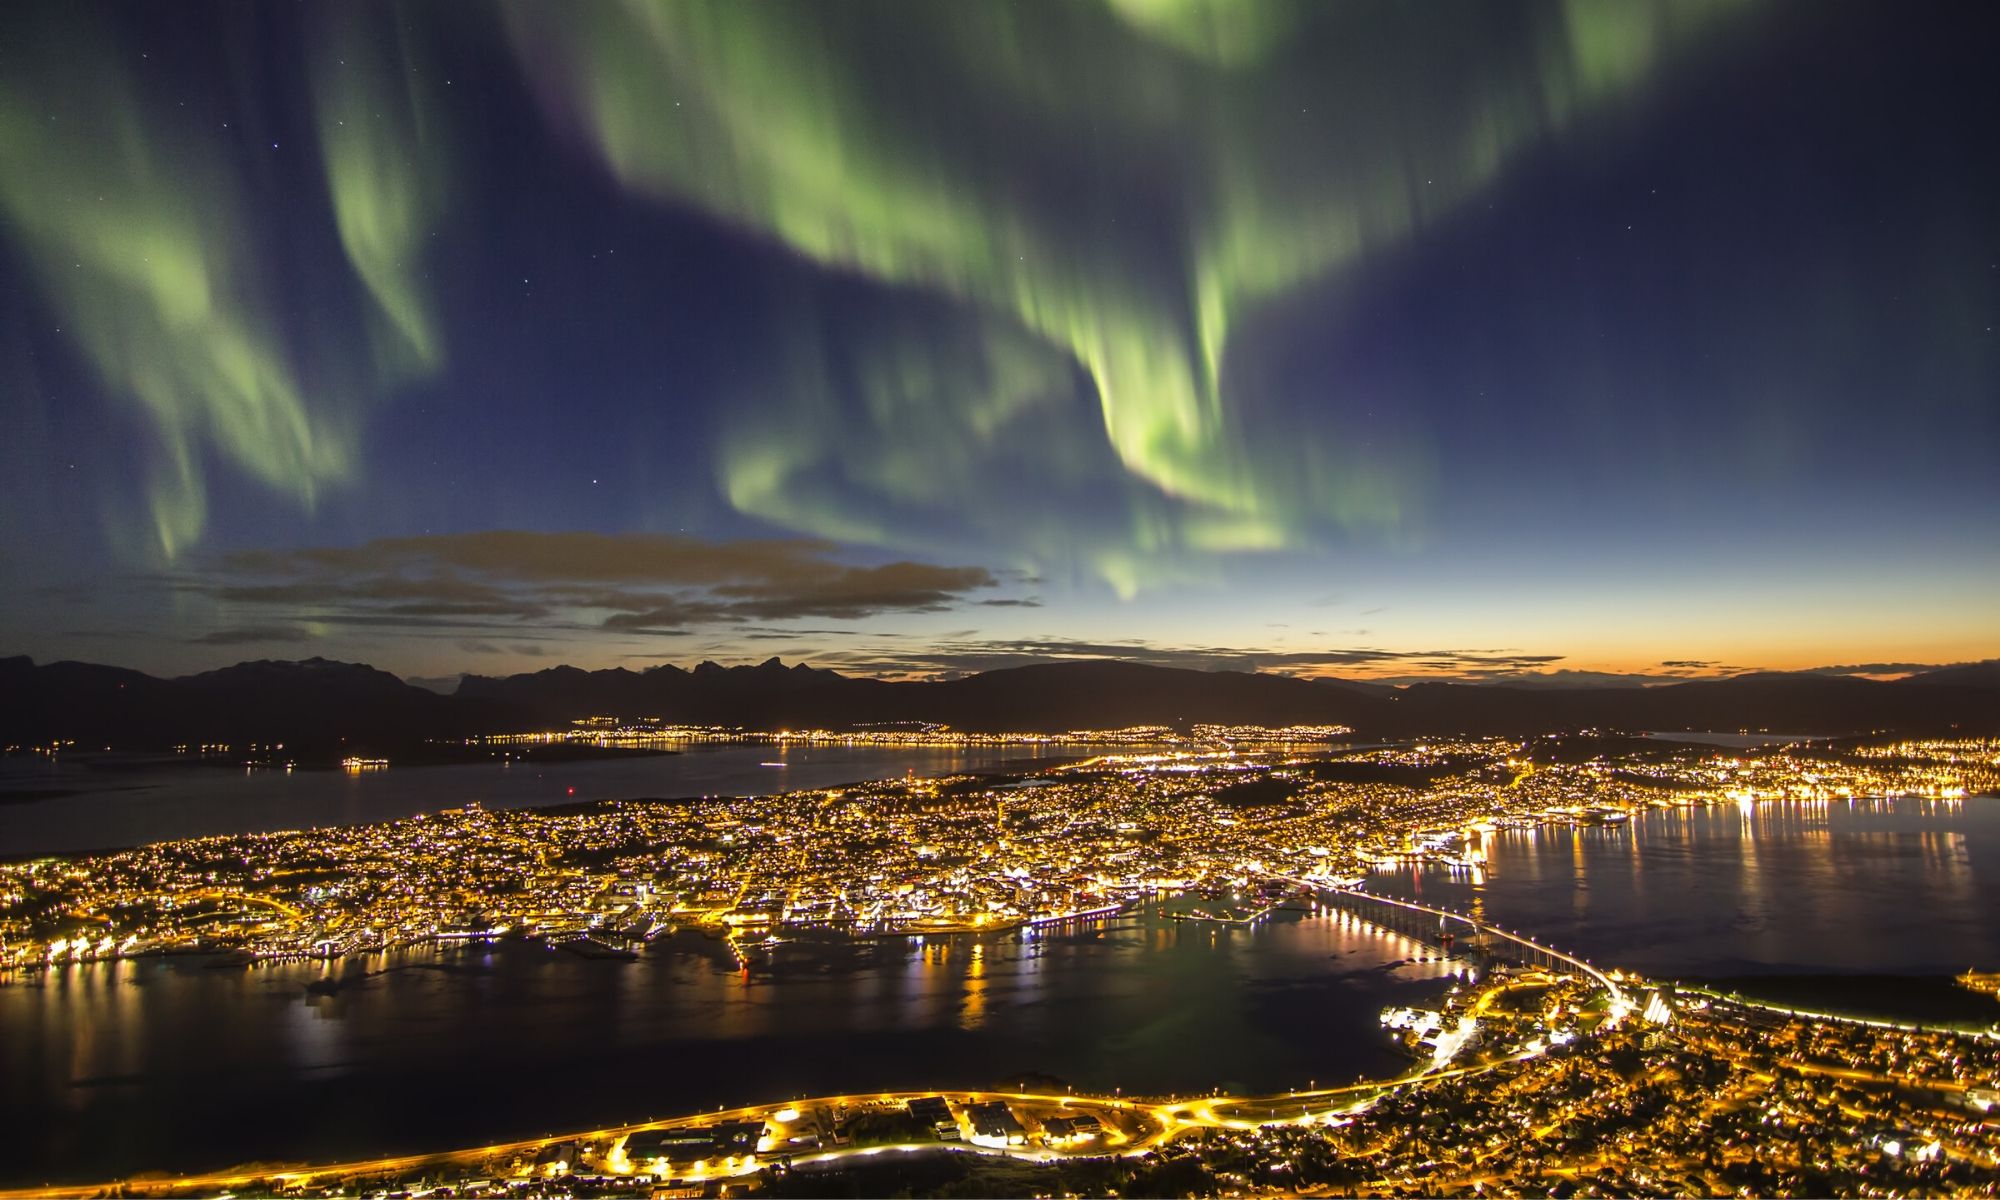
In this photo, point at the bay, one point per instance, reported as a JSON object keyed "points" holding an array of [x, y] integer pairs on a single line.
{"points": [[156, 1064]]}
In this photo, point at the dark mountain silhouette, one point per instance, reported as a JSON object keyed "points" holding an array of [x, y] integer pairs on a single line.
{"points": [[313, 707], [1980, 674], [319, 705], [1044, 697], [708, 694]]}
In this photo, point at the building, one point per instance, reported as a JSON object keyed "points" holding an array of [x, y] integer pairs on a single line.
{"points": [[1065, 1131], [935, 1112], [736, 1139], [994, 1124]]}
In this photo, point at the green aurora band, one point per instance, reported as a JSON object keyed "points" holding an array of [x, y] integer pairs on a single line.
{"points": [[1112, 191], [132, 232], [1111, 200], [384, 172], [145, 242]]}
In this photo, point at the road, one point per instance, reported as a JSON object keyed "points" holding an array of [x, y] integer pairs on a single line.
{"points": [[1134, 1126], [1990, 1032]]}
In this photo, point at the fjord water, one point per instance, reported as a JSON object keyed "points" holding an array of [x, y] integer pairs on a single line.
{"points": [[1898, 886], [156, 1064], [70, 805]]}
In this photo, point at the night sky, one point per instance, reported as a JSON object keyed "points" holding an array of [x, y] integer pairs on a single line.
{"points": [[1383, 340]]}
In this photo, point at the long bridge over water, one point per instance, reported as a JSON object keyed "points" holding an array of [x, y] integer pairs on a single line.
{"points": [[1428, 923]]}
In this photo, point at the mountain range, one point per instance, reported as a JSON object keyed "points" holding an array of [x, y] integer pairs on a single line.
{"points": [[318, 705]]}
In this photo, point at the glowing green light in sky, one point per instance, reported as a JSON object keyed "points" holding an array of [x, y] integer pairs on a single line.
{"points": [[1108, 197], [385, 182], [1118, 184], [153, 254], [134, 237], [1228, 33]]}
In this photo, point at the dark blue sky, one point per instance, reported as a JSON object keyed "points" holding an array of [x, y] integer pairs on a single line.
{"points": [[1368, 338]]}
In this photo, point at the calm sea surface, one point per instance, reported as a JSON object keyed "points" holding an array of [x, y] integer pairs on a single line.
{"points": [[107, 1069], [1901, 886], [121, 803]]}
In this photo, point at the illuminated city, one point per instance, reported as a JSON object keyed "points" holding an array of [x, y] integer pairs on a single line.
{"points": [[999, 598], [937, 856], [1586, 1060]]}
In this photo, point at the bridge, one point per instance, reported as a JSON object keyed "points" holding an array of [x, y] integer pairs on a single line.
{"points": [[1427, 922]]}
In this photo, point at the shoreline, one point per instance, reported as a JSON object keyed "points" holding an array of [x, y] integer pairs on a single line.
{"points": [[1922, 999], [236, 959]]}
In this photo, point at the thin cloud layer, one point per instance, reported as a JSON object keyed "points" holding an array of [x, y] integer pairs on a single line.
{"points": [[968, 655], [635, 583]]}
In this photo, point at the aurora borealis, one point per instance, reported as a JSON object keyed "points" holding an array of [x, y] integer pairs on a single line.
{"points": [[1601, 336]]}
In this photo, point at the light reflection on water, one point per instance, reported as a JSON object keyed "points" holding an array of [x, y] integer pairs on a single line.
{"points": [[1900, 885], [147, 1064]]}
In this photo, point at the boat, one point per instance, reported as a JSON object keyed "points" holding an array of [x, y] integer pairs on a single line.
{"points": [[590, 947], [1981, 981]]}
